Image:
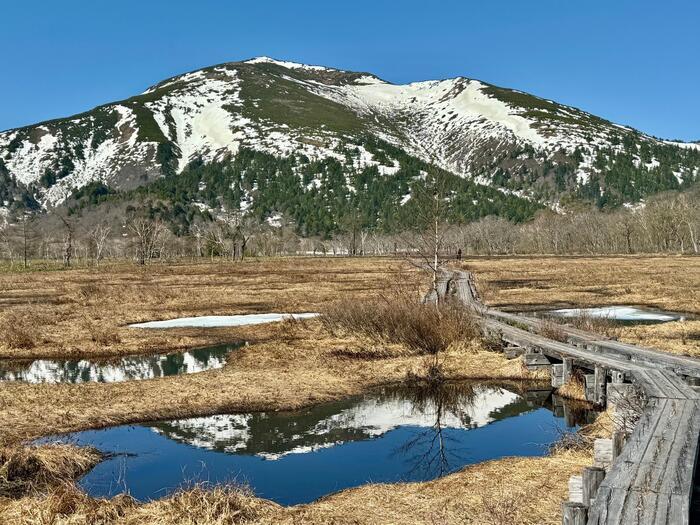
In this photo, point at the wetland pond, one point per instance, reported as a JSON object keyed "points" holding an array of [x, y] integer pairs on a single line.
{"points": [[391, 435], [625, 315], [127, 368]]}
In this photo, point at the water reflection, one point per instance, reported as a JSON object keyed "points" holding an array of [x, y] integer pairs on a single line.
{"points": [[397, 434], [126, 368]]}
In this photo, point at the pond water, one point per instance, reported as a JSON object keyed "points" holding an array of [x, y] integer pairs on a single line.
{"points": [[214, 321], [397, 434], [127, 368], [619, 314]]}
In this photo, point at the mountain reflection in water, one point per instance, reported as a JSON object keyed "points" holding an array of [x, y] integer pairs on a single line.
{"points": [[397, 434], [127, 368]]}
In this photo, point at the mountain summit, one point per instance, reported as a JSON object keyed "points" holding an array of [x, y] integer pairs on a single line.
{"points": [[504, 138]]}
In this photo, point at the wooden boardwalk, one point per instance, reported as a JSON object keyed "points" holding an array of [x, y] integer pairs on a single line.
{"points": [[647, 478]]}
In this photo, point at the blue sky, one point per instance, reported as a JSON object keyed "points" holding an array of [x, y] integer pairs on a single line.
{"points": [[635, 62]]}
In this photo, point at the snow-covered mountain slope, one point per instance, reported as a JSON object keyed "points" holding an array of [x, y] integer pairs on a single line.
{"points": [[493, 135]]}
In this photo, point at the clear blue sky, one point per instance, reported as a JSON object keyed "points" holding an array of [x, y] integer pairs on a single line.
{"points": [[635, 62]]}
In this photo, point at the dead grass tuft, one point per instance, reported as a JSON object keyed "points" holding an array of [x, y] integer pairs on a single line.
{"points": [[504, 506], [201, 504], [574, 388], [552, 330], [103, 334], [18, 330], [25, 469], [597, 325], [398, 318]]}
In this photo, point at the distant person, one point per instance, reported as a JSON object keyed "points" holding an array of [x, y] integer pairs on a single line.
{"points": [[459, 254]]}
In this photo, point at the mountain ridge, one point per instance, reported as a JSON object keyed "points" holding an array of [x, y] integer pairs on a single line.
{"points": [[501, 137]]}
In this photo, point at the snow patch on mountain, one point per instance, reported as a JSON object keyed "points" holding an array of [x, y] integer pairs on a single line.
{"points": [[204, 124], [288, 65]]}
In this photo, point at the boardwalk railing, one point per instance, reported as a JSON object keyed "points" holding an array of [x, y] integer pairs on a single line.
{"points": [[642, 475]]}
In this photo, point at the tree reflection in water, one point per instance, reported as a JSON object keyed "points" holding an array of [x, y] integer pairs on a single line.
{"points": [[431, 452]]}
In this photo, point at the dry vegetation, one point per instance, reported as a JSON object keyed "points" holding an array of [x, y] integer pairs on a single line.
{"points": [[27, 469], [85, 312], [287, 365], [400, 318], [491, 493], [538, 283]]}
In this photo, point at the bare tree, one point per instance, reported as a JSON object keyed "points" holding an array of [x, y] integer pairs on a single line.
{"points": [[22, 238], [426, 242], [98, 238], [146, 236], [69, 230]]}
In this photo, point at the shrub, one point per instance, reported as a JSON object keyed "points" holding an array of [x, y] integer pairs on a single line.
{"points": [[399, 318], [599, 325], [552, 330], [25, 469]]}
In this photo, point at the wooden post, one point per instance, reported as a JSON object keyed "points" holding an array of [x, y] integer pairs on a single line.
{"points": [[589, 383], [557, 375], [576, 489], [568, 363], [592, 477], [573, 513], [603, 453], [601, 375]]}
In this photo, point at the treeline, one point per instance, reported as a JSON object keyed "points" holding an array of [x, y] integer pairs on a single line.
{"points": [[670, 223]]}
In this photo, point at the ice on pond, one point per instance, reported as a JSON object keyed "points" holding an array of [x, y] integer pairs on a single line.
{"points": [[619, 313], [215, 321]]}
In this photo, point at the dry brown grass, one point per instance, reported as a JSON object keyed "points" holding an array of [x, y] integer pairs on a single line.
{"points": [[664, 282], [85, 312], [17, 330], [596, 325], [552, 330], [291, 365], [574, 388], [479, 494], [399, 318], [25, 469]]}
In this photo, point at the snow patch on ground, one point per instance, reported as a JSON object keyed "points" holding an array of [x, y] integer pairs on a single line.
{"points": [[213, 321], [617, 313]]}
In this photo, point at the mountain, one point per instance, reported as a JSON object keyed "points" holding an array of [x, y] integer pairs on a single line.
{"points": [[508, 146]]}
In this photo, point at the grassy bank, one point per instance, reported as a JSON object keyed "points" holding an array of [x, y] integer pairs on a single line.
{"points": [[491, 493]]}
